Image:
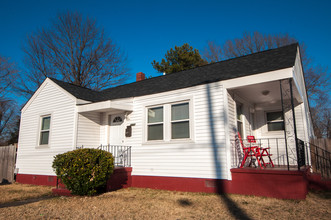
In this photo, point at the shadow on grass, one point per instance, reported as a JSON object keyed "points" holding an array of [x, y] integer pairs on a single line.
{"points": [[323, 194], [184, 202], [233, 208], [24, 202]]}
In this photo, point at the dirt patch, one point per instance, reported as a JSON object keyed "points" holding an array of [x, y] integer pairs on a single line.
{"points": [[136, 203]]}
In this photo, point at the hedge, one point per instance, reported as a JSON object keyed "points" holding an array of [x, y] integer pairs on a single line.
{"points": [[84, 171]]}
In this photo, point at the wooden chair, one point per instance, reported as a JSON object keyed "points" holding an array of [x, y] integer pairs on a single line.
{"points": [[262, 152], [251, 151]]}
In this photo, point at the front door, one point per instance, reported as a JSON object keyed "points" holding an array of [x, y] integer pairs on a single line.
{"points": [[116, 129]]}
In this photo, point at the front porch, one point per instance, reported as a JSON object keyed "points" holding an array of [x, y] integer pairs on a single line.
{"points": [[277, 115], [274, 113]]}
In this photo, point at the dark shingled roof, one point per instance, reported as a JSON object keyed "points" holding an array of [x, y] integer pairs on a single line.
{"points": [[269, 60], [78, 91]]}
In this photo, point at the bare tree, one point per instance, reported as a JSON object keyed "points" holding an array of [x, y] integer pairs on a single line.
{"points": [[247, 44], [7, 120], [7, 76], [74, 49], [316, 77], [8, 73]]}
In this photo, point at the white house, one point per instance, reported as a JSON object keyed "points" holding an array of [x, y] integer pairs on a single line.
{"points": [[180, 127]]}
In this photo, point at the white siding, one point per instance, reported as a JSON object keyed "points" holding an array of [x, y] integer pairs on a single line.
{"points": [[232, 116], [276, 138], [300, 84], [261, 121], [88, 131], [200, 157], [50, 99], [299, 119]]}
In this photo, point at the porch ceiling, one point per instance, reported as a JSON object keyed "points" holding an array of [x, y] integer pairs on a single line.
{"points": [[105, 106], [268, 92]]}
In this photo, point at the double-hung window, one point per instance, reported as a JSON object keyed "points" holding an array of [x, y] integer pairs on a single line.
{"points": [[168, 122], [44, 130], [275, 121], [155, 123], [180, 121]]}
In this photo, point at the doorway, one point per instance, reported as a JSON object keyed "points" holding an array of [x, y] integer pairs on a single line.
{"points": [[116, 129]]}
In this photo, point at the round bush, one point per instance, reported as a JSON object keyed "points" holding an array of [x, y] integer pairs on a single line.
{"points": [[84, 171]]}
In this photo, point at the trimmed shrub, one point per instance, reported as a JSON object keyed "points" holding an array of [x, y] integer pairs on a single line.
{"points": [[84, 171]]}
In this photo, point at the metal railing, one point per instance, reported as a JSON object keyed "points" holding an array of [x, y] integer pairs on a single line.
{"points": [[320, 160], [121, 154], [280, 156]]}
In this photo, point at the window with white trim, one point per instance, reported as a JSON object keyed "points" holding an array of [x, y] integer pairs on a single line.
{"points": [[44, 130], [180, 121], [168, 122], [155, 124], [275, 121]]}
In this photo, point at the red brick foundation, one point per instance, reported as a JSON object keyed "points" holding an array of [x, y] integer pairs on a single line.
{"points": [[181, 184], [269, 183], [35, 179]]}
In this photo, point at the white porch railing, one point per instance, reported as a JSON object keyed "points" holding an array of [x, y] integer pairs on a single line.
{"points": [[121, 154]]}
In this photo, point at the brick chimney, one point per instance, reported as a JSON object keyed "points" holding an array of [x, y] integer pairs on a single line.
{"points": [[140, 76]]}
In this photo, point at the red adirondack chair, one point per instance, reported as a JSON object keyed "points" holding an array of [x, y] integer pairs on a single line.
{"points": [[263, 152], [250, 151]]}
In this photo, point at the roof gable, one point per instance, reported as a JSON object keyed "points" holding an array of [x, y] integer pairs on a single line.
{"points": [[40, 88]]}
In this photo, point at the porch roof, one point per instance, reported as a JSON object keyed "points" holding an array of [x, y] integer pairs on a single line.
{"points": [[105, 106]]}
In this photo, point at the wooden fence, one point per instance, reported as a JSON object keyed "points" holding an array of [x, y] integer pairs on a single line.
{"points": [[7, 163], [323, 143], [320, 152]]}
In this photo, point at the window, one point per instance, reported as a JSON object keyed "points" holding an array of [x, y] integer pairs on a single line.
{"points": [[168, 122], [117, 119], [44, 130], [180, 124], [275, 121], [155, 123]]}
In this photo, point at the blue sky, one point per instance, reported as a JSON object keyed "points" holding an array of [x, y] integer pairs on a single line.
{"points": [[145, 30]]}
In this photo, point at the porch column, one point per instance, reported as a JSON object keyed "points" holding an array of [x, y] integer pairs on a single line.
{"points": [[295, 126], [290, 130], [282, 102]]}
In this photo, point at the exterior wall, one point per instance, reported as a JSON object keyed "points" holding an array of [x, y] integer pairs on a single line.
{"points": [[247, 118], [88, 131], [203, 156], [276, 140], [299, 81], [49, 100], [231, 116], [104, 126], [261, 128], [248, 124]]}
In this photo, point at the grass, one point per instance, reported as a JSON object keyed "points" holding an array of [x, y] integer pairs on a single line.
{"points": [[136, 203], [19, 192]]}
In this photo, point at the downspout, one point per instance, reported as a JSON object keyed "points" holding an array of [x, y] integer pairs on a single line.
{"points": [[76, 128]]}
